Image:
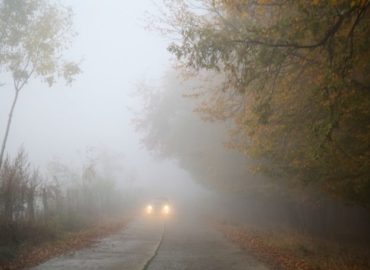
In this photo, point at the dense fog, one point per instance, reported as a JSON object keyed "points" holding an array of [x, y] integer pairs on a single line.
{"points": [[95, 113], [248, 116]]}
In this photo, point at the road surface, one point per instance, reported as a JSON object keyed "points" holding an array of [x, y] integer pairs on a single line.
{"points": [[152, 244]]}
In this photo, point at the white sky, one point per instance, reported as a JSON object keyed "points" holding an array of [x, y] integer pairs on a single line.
{"points": [[62, 121]]}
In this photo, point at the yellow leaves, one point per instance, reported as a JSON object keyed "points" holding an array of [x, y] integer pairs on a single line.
{"points": [[244, 14], [331, 2], [256, 169], [335, 2], [358, 2]]}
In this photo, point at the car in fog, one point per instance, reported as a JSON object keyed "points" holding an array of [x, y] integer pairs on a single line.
{"points": [[158, 207]]}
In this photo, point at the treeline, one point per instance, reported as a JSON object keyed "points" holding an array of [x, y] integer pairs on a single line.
{"points": [[36, 207], [283, 87], [293, 78], [170, 129]]}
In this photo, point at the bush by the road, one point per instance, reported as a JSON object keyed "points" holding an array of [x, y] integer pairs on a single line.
{"points": [[37, 211], [32, 253]]}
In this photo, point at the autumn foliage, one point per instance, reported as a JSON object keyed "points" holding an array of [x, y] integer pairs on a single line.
{"points": [[295, 84]]}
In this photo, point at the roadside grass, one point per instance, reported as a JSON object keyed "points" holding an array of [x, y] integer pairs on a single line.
{"points": [[293, 251], [42, 243]]}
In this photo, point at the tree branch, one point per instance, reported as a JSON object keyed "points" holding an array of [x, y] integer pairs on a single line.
{"points": [[329, 34]]}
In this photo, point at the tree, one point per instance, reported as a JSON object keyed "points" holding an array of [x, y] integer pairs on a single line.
{"points": [[295, 84], [171, 130], [34, 35]]}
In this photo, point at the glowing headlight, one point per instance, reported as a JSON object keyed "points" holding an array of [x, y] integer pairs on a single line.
{"points": [[149, 209], [166, 209]]}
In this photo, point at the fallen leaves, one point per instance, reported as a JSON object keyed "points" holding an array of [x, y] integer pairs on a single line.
{"points": [[256, 246], [32, 255], [281, 256]]}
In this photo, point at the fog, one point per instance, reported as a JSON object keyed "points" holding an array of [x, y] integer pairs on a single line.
{"points": [[97, 110], [238, 120]]}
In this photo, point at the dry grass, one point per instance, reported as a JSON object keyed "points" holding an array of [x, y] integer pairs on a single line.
{"points": [[30, 255]]}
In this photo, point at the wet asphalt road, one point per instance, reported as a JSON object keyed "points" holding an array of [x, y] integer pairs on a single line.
{"points": [[154, 244]]}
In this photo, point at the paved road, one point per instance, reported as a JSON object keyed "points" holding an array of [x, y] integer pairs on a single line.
{"points": [[185, 244]]}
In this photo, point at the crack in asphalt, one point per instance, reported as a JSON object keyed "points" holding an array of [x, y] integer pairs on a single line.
{"points": [[147, 264]]}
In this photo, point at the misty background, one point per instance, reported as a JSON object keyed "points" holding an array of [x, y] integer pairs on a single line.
{"points": [[115, 52], [246, 116]]}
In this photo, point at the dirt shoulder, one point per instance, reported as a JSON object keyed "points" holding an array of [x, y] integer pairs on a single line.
{"points": [[291, 251], [32, 255]]}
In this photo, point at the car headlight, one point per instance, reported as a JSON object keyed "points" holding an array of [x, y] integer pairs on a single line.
{"points": [[149, 209], [166, 209]]}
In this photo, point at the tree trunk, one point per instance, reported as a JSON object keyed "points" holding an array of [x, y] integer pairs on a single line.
{"points": [[5, 139], [45, 203], [9, 200], [31, 204]]}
